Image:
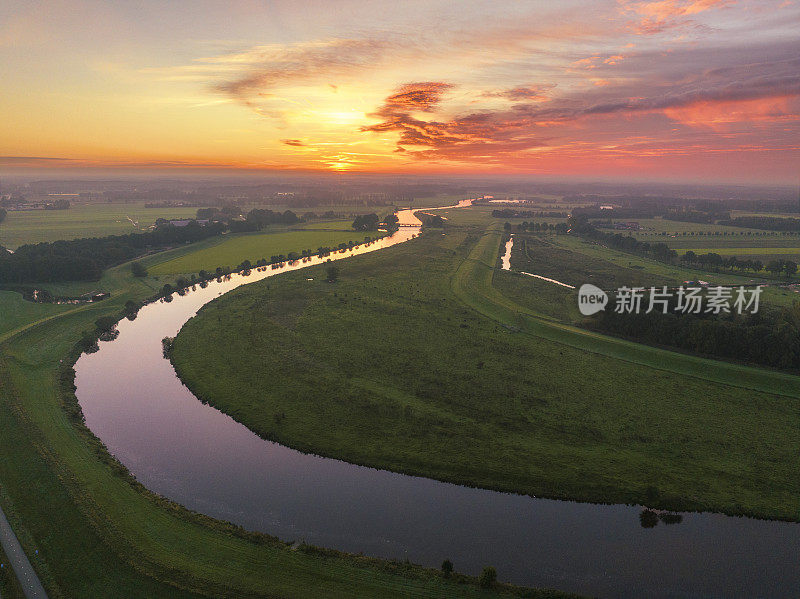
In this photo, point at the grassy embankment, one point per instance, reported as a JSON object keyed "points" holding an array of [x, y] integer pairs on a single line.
{"points": [[231, 250], [417, 382], [101, 535]]}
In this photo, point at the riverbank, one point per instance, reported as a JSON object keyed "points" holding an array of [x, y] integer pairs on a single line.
{"points": [[415, 382], [65, 491]]}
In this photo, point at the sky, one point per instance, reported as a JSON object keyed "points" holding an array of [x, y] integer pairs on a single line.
{"points": [[700, 90]]}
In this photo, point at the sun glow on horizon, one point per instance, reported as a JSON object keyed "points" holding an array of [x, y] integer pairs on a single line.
{"points": [[664, 88]]}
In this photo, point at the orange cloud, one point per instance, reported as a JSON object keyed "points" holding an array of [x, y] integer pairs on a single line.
{"points": [[530, 93], [658, 15], [412, 97], [721, 115]]}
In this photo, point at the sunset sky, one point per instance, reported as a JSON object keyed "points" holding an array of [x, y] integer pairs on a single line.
{"points": [[669, 89]]}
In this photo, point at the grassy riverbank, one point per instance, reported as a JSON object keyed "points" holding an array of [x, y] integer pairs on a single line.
{"points": [[99, 534], [401, 356], [231, 250]]}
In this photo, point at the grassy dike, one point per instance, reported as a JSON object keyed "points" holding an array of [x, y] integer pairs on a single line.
{"points": [[100, 534], [401, 356]]}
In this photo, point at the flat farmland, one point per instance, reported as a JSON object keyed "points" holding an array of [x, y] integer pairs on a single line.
{"points": [[705, 244], [656, 226], [82, 220], [737, 213], [482, 214], [326, 225], [746, 251]]}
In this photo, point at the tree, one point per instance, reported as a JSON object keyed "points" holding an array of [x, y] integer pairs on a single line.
{"points": [[447, 568], [2, 214], [105, 324], [131, 308], [392, 223], [366, 222], [138, 270], [88, 342], [333, 273], [648, 518], [488, 577]]}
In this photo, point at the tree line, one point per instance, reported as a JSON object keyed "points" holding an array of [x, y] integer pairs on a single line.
{"points": [[371, 222], [626, 243], [85, 259], [713, 260], [769, 223], [559, 228], [770, 337], [511, 213], [255, 220], [663, 253]]}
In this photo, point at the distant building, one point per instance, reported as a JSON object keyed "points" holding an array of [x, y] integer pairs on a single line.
{"points": [[184, 222], [629, 226]]}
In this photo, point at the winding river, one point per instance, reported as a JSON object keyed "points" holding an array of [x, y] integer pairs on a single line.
{"points": [[203, 459]]}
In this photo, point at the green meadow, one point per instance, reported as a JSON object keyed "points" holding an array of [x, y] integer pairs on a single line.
{"points": [[745, 251], [429, 368], [82, 220], [100, 534], [439, 364], [231, 250]]}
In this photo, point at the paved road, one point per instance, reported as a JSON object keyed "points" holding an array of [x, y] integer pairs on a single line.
{"points": [[31, 585]]}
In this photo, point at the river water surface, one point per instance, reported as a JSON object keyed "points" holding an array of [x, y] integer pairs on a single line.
{"points": [[201, 458]]}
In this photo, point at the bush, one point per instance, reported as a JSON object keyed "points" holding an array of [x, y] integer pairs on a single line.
{"points": [[131, 308], [105, 324], [138, 270], [333, 273], [648, 519], [166, 346], [488, 577], [88, 342], [447, 567]]}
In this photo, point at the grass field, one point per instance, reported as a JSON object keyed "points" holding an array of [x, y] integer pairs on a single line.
{"points": [[745, 251], [231, 250], [481, 215], [326, 225], [540, 254], [738, 213], [17, 312], [668, 272], [654, 226], [709, 243], [100, 535], [401, 354], [82, 220]]}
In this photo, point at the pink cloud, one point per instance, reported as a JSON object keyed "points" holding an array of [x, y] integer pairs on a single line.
{"points": [[655, 16]]}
